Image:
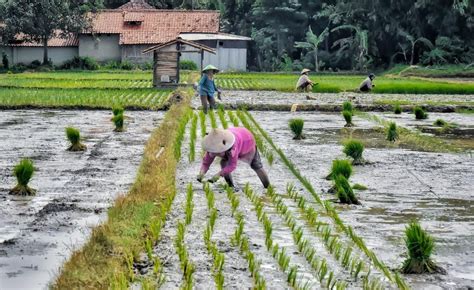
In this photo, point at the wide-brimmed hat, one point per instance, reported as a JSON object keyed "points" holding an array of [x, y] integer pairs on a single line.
{"points": [[305, 70], [218, 141], [210, 67]]}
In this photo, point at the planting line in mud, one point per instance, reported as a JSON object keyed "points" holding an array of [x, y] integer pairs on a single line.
{"points": [[326, 205]]}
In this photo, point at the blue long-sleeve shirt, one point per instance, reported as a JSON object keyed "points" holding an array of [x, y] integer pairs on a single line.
{"points": [[207, 87]]}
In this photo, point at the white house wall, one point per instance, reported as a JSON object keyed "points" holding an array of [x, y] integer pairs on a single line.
{"points": [[27, 55], [226, 59], [100, 47]]}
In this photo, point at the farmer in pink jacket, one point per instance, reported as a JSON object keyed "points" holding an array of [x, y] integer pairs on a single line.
{"points": [[231, 145]]}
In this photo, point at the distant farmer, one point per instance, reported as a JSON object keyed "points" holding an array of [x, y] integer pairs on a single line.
{"points": [[207, 88], [304, 84], [367, 84], [231, 145]]}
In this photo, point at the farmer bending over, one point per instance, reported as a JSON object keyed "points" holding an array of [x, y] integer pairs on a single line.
{"points": [[304, 84], [231, 145], [207, 88], [367, 85]]}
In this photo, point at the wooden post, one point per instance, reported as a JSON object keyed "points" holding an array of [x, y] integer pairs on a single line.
{"points": [[155, 67], [202, 59]]}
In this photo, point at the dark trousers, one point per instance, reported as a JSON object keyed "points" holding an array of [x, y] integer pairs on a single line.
{"points": [[256, 165], [208, 102]]}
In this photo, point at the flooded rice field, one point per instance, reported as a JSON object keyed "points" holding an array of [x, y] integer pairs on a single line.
{"points": [[403, 185], [74, 189]]}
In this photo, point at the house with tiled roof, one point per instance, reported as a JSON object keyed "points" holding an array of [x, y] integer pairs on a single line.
{"points": [[122, 34]]}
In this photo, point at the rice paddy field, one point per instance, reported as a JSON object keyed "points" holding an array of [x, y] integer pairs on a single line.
{"points": [[103, 219]]}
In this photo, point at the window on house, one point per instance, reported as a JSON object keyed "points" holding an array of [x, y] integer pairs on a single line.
{"points": [[221, 43]]}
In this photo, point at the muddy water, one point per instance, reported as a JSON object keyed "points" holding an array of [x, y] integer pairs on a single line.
{"points": [[74, 189], [403, 185]]}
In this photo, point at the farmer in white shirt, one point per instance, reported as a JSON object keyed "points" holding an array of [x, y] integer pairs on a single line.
{"points": [[304, 84]]}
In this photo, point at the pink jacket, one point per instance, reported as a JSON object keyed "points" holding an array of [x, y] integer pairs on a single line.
{"points": [[243, 149]]}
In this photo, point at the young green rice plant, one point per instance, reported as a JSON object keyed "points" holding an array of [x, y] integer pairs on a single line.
{"points": [[397, 109], [222, 117], [212, 218], [117, 110], [392, 132], [202, 118], [149, 248], [189, 204], [74, 138], [180, 135], [420, 246], [440, 123], [291, 276], [118, 122], [340, 167], [155, 229], [212, 117], [233, 119], [192, 138], [358, 186], [344, 190], [347, 106], [348, 117], [23, 172], [420, 114], [296, 126], [354, 149]]}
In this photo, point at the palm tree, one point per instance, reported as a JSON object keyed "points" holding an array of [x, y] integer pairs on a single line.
{"points": [[359, 40], [413, 41], [312, 43]]}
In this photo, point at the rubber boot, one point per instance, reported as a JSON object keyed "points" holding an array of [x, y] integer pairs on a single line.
{"points": [[263, 177]]}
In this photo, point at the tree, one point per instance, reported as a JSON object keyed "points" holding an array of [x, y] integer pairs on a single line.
{"points": [[312, 43], [40, 20], [358, 41], [413, 41]]}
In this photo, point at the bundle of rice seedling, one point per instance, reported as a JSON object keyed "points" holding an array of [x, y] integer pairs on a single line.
{"points": [[296, 126], [354, 149], [348, 117], [118, 121], [392, 133], [347, 106], [397, 109], [440, 123], [23, 172], [74, 137], [420, 113], [340, 167], [420, 246], [344, 190]]}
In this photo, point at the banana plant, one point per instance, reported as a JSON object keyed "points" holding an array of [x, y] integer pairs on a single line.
{"points": [[312, 43]]}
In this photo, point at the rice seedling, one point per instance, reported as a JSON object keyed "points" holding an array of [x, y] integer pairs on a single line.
{"points": [[202, 118], [291, 277], [440, 123], [344, 190], [118, 122], [74, 138], [149, 248], [358, 186], [23, 172], [354, 149], [348, 117], [347, 106], [222, 117], [420, 246], [296, 126], [155, 229], [212, 117], [189, 204], [340, 167], [178, 142], [233, 119], [397, 109], [117, 110], [392, 132], [192, 138], [420, 114]]}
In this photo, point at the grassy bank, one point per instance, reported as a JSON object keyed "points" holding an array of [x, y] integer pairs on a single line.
{"points": [[106, 260], [443, 71]]}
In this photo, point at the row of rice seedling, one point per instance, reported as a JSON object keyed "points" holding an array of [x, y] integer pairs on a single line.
{"points": [[72, 83], [222, 118], [319, 266], [202, 119], [212, 117], [187, 266], [192, 138], [219, 258], [279, 253], [266, 151], [330, 210], [234, 120], [241, 240], [180, 135], [81, 98]]}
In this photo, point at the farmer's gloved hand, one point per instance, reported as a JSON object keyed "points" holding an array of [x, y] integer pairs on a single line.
{"points": [[200, 177], [214, 179]]}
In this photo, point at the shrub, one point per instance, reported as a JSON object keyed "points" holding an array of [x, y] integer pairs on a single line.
{"points": [[188, 65], [147, 65], [5, 62], [354, 149], [347, 106], [420, 246], [440, 123], [23, 172], [126, 65], [19, 67], [296, 126], [420, 113], [35, 64], [392, 132], [118, 122], [344, 190], [113, 64], [397, 109], [85, 63], [348, 117], [74, 137], [340, 167]]}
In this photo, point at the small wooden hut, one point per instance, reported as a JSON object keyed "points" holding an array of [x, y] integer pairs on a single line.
{"points": [[166, 58]]}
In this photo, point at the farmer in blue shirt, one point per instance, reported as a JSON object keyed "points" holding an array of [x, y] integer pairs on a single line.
{"points": [[207, 88]]}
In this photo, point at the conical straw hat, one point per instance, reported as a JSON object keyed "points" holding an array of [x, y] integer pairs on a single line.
{"points": [[210, 67], [218, 141]]}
